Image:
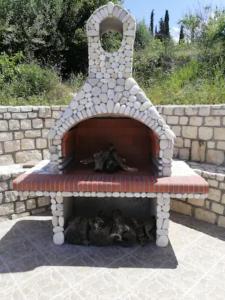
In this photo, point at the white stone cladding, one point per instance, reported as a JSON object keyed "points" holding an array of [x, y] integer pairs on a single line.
{"points": [[57, 219], [162, 219], [110, 89]]}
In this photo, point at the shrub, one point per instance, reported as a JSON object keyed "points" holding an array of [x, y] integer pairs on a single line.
{"points": [[143, 36], [184, 86], [147, 62], [21, 80], [8, 65], [184, 74], [31, 80]]}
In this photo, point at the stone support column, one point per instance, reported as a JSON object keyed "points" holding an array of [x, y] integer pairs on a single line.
{"points": [[57, 219], [162, 219]]}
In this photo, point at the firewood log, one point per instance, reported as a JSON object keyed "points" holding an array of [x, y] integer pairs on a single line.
{"points": [[122, 232], [77, 231], [99, 233], [108, 161]]}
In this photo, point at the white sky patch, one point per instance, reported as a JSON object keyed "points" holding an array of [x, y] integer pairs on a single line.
{"points": [[175, 33]]}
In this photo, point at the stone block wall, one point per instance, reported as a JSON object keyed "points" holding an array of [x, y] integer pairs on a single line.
{"points": [[200, 131], [212, 209], [23, 133], [13, 205]]}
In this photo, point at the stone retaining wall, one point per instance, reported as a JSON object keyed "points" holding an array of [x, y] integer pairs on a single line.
{"points": [[10, 203], [23, 133], [200, 132], [212, 209]]}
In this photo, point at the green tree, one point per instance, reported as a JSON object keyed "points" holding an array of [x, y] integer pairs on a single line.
{"points": [[167, 25], [143, 36], [181, 36], [161, 26], [214, 32], [152, 23], [51, 32], [191, 23], [161, 33], [212, 44]]}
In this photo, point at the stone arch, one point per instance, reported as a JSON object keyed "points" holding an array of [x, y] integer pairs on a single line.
{"points": [[112, 11], [149, 117]]}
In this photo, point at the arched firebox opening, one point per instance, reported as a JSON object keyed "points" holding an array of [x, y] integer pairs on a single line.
{"points": [[137, 144]]}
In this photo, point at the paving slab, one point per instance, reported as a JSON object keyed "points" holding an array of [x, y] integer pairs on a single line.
{"points": [[192, 267]]}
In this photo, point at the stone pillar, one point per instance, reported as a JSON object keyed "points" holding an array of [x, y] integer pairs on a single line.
{"points": [[57, 219], [162, 219]]}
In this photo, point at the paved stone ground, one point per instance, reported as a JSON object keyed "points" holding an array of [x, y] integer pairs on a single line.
{"points": [[192, 267]]}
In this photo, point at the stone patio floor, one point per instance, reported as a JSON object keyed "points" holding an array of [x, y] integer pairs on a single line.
{"points": [[191, 267]]}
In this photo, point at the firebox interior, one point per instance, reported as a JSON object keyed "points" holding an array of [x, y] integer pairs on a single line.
{"points": [[133, 140]]}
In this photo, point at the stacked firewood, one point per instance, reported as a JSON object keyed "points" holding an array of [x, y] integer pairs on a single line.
{"points": [[104, 231]]}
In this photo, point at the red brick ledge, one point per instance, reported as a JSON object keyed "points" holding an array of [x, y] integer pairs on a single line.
{"points": [[189, 183]]}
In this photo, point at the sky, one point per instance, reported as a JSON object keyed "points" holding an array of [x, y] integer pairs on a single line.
{"points": [[141, 9]]}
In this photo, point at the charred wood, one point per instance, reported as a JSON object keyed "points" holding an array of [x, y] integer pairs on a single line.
{"points": [[105, 231], [108, 161]]}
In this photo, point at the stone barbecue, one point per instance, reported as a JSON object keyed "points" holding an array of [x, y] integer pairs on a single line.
{"points": [[111, 108]]}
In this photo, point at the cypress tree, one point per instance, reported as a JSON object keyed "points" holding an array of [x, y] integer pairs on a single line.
{"points": [[166, 25], [161, 27], [160, 34], [181, 37], [152, 23]]}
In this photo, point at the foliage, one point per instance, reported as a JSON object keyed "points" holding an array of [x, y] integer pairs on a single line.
{"points": [[44, 41], [201, 91], [143, 36], [111, 41], [52, 32], [191, 23], [148, 62], [181, 35], [215, 29], [189, 72], [8, 66], [22, 80], [166, 25], [164, 28], [151, 28]]}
